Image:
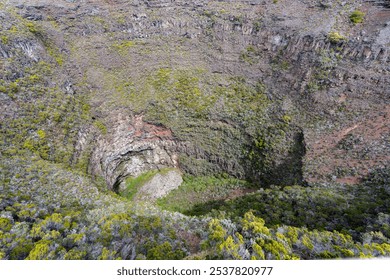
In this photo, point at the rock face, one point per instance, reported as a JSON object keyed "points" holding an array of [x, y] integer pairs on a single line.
{"points": [[132, 147], [258, 90], [160, 185]]}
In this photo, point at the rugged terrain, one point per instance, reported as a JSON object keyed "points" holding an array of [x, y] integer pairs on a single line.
{"points": [[225, 111]]}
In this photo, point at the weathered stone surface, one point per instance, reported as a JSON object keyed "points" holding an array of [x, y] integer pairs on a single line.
{"points": [[160, 185], [132, 148]]}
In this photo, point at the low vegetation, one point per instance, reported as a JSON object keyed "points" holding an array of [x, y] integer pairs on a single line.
{"points": [[70, 219], [335, 37], [357, 17], [199, 190]]}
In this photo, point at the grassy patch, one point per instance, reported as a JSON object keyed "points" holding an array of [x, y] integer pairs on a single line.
{"points": [[195, 190], [123, 47], [133, 184], [101, 126]]}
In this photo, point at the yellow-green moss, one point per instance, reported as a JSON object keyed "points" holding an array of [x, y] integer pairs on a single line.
{"points": [[101, 126], [122, 47], [32, 27]]}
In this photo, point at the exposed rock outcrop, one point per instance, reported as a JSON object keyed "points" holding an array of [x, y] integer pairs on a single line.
{"points": [[160, 185], [131, 148]]}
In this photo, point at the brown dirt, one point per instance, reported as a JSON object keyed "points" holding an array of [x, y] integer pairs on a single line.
{"points": [[192, 240], [325, 151], [147, 131]]}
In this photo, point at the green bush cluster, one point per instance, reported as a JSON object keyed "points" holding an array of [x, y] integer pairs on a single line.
{"points": [[322, 208], [47, 120], [61, 218], [357, 17], [335, 37], [251, 239]]}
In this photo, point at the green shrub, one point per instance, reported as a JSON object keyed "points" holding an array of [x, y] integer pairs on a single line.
{"points": [[22, 250], [357, 17], [164, 252], [4, 39], [40, 250], [74, 254], [5, 224], [216, 235], [41, 134], [327, 255], [258, 252], [335, 37], [254, 224], [108, 254], [14, 87], [230, 248], [278, 250], [32, 27]]}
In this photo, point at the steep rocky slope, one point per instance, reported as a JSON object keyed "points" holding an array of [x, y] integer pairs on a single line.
{"points": [[184, 67], [271, 92]]}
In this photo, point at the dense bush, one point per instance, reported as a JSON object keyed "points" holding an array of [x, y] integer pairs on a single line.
{"points": [[251, 239], [61, 219], [351, 209]]}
